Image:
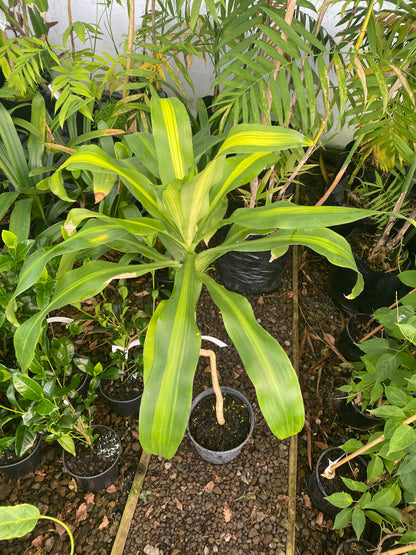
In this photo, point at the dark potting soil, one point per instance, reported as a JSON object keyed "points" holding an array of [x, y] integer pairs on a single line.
{"points": [[125, 390], [360, 325], [206, 431], [355, 548], [90, 461], [354, 469], [8, 456]]}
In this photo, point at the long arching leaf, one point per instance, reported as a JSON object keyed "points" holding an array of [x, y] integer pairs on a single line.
{"points": [[266, 363], [171, 355]]}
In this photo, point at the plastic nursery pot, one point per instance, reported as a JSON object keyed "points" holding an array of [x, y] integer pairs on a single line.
{"points": [[163, 281], [380, 288], [320, 487], [351, 415], [252, 273], [356, 327], [355, 547], [100, 472], [124, 401], [220, 456], [26, 464]]}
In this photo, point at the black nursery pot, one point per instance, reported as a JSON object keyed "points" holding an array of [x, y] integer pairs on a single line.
{"points": [[320, 487], [26, 464], [380, 289], [355, 547], [351, 415], [208, 454], [100, 474], [357, 326], [252, 273], [126, 403]]}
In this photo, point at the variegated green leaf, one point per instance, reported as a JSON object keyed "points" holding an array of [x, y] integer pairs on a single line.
{"points": [[266, 363], [170, 358], [287, 215], [324, 241], [76, 285], [173, 138], [249, 138]]}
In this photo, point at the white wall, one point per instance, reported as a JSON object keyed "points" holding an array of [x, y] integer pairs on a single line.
{"points": [[117, 17]]}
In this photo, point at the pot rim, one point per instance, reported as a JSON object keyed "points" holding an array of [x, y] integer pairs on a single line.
{"points": [[235, 393], [92, 476]]}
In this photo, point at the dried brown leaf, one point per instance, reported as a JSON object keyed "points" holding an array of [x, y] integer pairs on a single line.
{"points": [[227, 512], [178, 504], [81, 513], [111, 489], [306, 500], [105, 522], [89, 498], [209, 487]]}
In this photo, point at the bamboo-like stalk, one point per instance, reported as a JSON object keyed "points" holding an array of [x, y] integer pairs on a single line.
{"points": [[129, 44], [69, 10], [219, 405], [329, 472]]}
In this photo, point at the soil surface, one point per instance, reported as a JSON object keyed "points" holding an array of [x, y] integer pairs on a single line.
{"points": [[188, 506]]}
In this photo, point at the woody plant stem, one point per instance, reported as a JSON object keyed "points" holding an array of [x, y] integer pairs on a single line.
{"points": [[219, 405], [329, 472]]}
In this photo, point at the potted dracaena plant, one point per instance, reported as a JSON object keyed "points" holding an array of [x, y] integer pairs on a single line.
{"points": [[184, 205]]}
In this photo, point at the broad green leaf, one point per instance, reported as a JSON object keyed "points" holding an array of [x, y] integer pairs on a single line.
{"points": [[20, 219], [351, 445], [171, 354], [6, 200], [17, 521], [25, 439], [342, 519], [395, 396], [375, 468], [341, 499], [28, 388], [388, 411], [353, 485], [265, 362], [67, 443], [383, 498], [358, 521], [402, 439]]}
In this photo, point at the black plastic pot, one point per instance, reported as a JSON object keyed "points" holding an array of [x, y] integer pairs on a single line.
{"points": [[100, 480], [221, 457], [356, 327], [351, 415], [380, 289], [252, 273], [119, 406], [26, 464], [355, 547], [319, 487], [163, 280]]}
